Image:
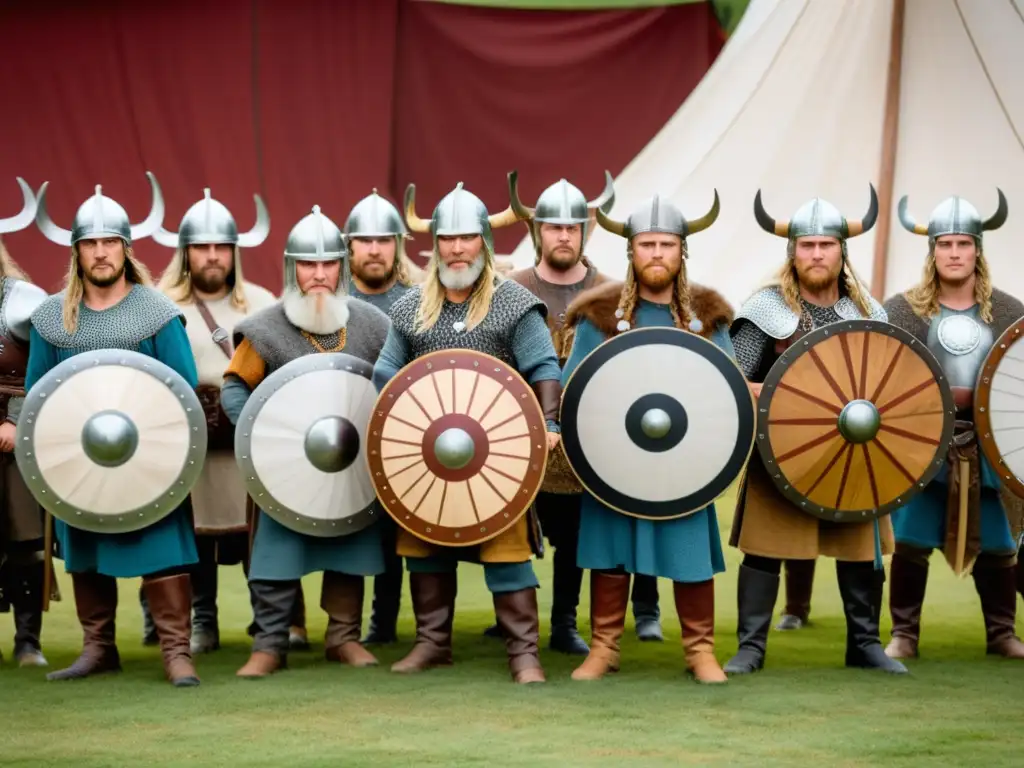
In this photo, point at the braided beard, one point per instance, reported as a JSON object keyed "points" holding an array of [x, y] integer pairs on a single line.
{"points": [[317, 313]]}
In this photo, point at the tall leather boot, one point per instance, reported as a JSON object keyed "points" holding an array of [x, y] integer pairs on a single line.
{"points": [[342, 600], [695, 606], [149, 637], [273, 606], [799, 586], [387, 599], [170, 600], [860, 587], [96, 606], [565, 598], [998, 592], [27, 602], [298, 638], [1020, 571], [757, 592], [646, 611], [609, 600], [908, 581], [205, 623], [520, 624], [433, 602]]}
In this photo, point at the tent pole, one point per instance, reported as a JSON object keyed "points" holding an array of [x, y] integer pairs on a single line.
{"points": [[890, 134]]}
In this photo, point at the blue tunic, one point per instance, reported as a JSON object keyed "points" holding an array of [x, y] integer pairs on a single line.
{"points": [[687, 549], [170, 543]]}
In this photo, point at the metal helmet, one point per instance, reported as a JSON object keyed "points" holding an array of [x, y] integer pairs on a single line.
{"points": [[561, 203], [375, 216], [100, 216], [314, 238], [28, 211], [210, 222], [955, 216], [659, 215], [460, 212], [818, 218]]}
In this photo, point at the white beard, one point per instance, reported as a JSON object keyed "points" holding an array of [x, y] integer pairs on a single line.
{"points": [[318, 313], [459, 280]]}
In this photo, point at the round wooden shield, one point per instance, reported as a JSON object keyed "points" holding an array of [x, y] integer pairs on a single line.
{"points": [[457, 447], [999, 408], [854, 419], [111, 441], [657, 422]]}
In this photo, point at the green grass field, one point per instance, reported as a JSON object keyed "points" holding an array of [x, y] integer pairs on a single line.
{"points": [[958, 707]]}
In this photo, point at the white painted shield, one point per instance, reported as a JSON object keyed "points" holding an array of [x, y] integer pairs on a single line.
{"points": [[111, 441], [999, 407], [300, 443]]}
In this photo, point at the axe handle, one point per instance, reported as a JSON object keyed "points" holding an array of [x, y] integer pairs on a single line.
{"points": [[961, 532], [47, 559]]}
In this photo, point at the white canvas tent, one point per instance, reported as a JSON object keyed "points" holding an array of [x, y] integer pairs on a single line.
{"points": [[803, 102]]}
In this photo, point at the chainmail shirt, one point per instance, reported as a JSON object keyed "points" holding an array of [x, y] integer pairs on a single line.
{"points": [[750, 342]]}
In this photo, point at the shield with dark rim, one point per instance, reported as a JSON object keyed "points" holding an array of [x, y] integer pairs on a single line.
{"points": [[299, 443], [999, 408], [111, 441], [657, 422], [854, 419], [457, 447]]}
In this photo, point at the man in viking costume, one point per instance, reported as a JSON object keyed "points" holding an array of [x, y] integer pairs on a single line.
{"points": [[464, 304], [380, 273], [23, 559], [314, 315], [108, 303], [957, 312], [614, 546], [205, 279], [814, 287]]}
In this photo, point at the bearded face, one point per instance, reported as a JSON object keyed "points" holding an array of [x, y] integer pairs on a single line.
{"points": [[210, 266], [373, 260], [315, 304], [101, 261], [461, 260], [818, 262], [657, 259], [561, 245]]}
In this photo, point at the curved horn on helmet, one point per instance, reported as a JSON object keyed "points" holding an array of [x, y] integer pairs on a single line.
{"points": [[907, 220], [524, 212], [53, 233], [606, 199], [416, 224], [260, 229], [694, 226], [28, 211], [856, 227], [152, 222], [504, 219], [997, 219], [610, 224], [768, 224]]}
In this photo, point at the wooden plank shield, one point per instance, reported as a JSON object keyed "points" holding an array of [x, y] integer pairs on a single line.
{"points": [[457, 447], [854, 419], [999, 410]]}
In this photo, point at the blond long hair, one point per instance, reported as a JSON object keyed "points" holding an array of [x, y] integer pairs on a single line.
{"points": [[74, 289], [176, 280], [680, 304], [406, 273], [432, 300], [924, 297], [850, 285], [9, 267]]}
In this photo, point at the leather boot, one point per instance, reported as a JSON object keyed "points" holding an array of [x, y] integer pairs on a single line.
{"points": [[149, 637], [298, 638], [433, 603], [517, 616], [609, 600], [261, 664], [695, 606], [342, 600], [27, 603], [170, 600], [96, 606], [998, 592], [860, 587], [387, 598], [1019, 568], [799, 586], [205, 624], [568, 578], [907, 583], [757, 592], [646, 612]]}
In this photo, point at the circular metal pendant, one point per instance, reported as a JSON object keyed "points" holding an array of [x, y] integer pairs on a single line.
{"points": [[959, 334]]}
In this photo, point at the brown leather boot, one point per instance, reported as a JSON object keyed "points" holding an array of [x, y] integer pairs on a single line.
{"points": [[609, 599], [261, 664], [799, 586], [433, 602], [517, 617], [997, 589], [695, 606], [907, 582], [96, 605], [170, 601], [298, 638], [342, 600]]}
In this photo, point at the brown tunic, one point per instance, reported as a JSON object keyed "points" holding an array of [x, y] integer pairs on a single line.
{"points": [[20, 517]]}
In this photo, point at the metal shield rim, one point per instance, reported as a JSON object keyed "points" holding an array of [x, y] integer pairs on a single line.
{"points": [[576, 384], [132, 520], [779, 369], [982, 417], [281, 513], [453, 537]]}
